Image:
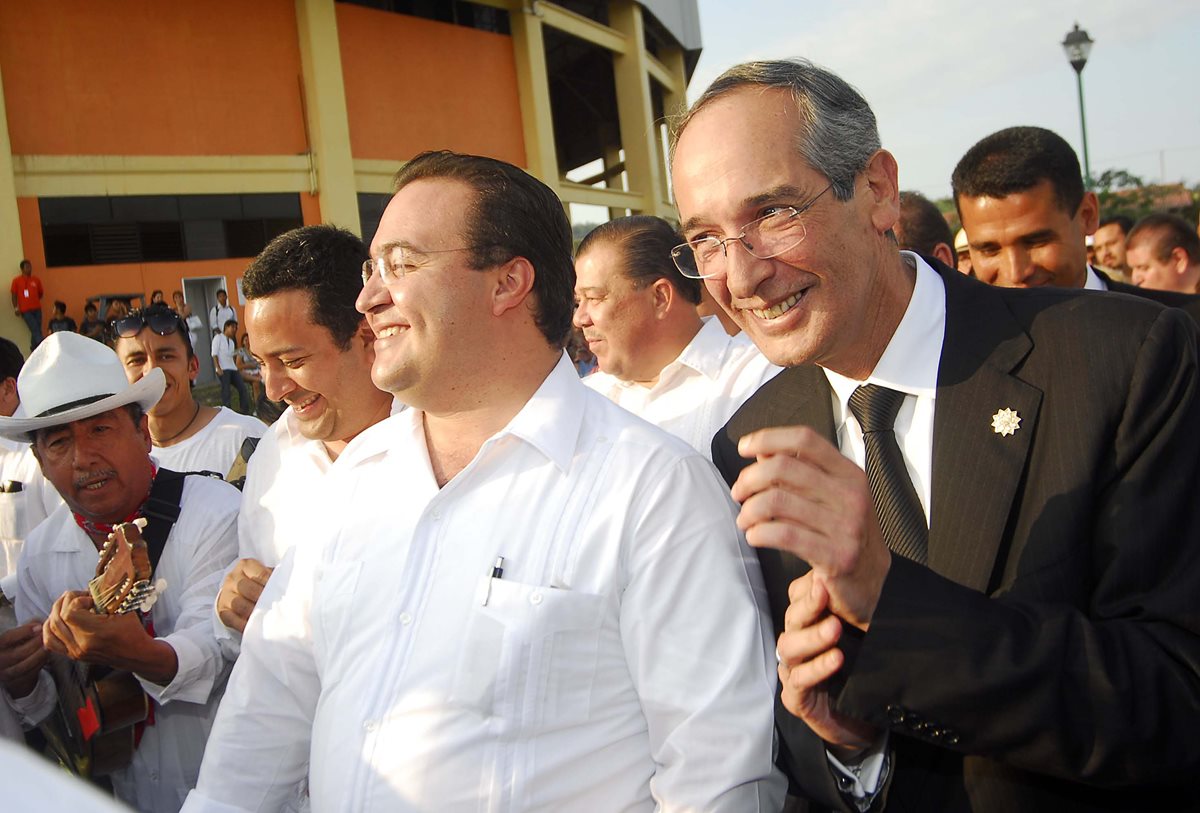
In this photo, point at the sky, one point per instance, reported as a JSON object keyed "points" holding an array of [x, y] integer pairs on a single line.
{"points": [[942, 74]]}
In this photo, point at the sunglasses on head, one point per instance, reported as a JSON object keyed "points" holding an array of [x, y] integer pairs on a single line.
{"points": [[161, 320]]}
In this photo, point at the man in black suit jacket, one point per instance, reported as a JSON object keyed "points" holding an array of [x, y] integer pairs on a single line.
{"points": [[1022, 203], [1045, 652]]}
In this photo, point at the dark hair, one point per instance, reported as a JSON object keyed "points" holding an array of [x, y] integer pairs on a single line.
{"points": [[922, 224], [90, 306], [1168, 232], [1125, 222], [221, 291], [155, 291], [1016, 160], [513, 215], [323, 261], [60, 305], [838, 134], [645, 243], [26, 263], [229, 322], [11, 360]]}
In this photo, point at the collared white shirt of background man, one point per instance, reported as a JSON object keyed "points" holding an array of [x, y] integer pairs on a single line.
{"points": [[288, 483], [213, 448], [20, 510], [59, 556], [697, 392], [622, 656], [223, 349]]}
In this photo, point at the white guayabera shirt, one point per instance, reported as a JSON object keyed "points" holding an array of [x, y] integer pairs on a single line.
{"points": [[697, 392], [620, 660]]}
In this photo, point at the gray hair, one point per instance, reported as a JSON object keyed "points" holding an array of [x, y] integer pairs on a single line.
{"points": [[839, 135]]}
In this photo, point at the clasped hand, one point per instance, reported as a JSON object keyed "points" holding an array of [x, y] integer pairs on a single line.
{"points": [[802, 496]]}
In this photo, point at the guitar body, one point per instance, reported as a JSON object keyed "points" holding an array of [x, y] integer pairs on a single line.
{"points": [[93, 732]]}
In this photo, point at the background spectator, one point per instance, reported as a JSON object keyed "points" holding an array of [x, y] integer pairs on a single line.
{"points": [[59, 319]]}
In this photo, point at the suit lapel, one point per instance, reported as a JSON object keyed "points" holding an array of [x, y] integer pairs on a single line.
{"points": [[798, 396], [976, 469]]}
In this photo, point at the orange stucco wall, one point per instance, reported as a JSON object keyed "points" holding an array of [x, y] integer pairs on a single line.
{"points": [[414, 84], [144, 77], [74, 284]]}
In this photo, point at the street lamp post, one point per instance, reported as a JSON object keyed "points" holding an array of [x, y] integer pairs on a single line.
{"points": [[1077, 45]]}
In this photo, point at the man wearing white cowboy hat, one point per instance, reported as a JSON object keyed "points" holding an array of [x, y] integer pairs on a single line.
{"points": [[90, 433]]}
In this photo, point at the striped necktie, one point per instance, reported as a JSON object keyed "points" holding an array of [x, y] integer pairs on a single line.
{"points": [[900, 516]]}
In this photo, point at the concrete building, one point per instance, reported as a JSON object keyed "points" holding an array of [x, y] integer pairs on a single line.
{"points": [[154, 146]]}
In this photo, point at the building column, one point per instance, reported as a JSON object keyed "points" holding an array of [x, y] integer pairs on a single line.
{"points": [[11, 249], [325, 113], [639, 131], [533, 88]]}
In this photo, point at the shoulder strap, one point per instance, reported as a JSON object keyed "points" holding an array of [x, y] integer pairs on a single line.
{"points": [[162, 512]]}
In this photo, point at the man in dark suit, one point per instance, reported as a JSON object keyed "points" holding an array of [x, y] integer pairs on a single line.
{"points": [[1001, 613], [1022, 203]]}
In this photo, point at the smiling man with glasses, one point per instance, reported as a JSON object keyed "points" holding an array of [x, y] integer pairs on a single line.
{"points": [[534, 600], [995, 615], [187, 435]]}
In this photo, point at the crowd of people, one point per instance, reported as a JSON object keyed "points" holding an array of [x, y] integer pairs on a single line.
{"points": [[895, 533]]}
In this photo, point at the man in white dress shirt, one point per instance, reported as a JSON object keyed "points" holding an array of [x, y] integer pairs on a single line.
{"points": [[221, 313], [187, 435], [537, 602], [91, 436], [658, 358], [315, 351]]}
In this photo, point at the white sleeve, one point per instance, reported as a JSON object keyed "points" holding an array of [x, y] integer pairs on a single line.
{"points": [[258, 750], [699, 647], [201, 661]]}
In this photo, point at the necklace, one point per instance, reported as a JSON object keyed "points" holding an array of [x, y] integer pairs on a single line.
{"points": [[196, 414]]}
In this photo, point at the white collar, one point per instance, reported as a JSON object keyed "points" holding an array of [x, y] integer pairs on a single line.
{"points": [[550, 421], [705, 353], [1093, 282], [909, 364]]}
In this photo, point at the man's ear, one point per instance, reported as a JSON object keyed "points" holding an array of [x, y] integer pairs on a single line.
{"points": [[663, 293], [514, 283], [1089, 213], [883, 190]]}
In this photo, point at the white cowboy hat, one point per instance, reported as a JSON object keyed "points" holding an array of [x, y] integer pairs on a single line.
{"points": [[71, 377]]}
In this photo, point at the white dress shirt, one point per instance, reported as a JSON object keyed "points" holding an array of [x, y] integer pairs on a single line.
{"points": [[58, 556], [213, 448], [20, 511], [697, 392], [1092, 281], [222, 350], [618, 662], [288, 480], [218, 315]]}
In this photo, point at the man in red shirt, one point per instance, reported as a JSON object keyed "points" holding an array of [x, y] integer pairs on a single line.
{"points": [[27, 293]]}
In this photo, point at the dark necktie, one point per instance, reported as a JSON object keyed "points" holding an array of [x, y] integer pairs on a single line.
{"points": [[900, 516]]}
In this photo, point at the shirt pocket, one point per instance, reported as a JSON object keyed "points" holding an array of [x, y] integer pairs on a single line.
{"points": [[334, 612], [530, 653]]}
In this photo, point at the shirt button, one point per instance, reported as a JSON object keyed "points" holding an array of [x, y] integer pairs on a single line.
{"points": [[437, 513], [370, 725], [405, 619], [535, 599]]}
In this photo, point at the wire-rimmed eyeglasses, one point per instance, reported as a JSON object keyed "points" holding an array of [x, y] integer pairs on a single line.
{"points": [[764, 238], [397, 261]]}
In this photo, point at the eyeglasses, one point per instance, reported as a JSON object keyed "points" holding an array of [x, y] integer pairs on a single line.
{"points": [[398, 261], [162, 320], [764, 238]]}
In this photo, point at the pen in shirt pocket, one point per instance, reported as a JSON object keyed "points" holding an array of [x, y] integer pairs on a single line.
{"points": [[11, 486], [497, 573]]}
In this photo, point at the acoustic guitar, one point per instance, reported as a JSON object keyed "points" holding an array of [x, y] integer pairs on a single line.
{"points": [[93, 729]]}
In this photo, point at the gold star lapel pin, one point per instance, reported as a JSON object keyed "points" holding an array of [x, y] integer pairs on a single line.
{"points": [[1006, 422]]}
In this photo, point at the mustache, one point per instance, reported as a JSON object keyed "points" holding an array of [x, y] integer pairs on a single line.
{"points": [[92, 476]]}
